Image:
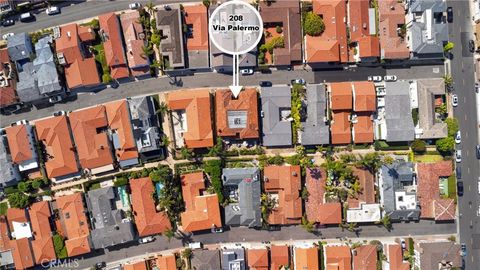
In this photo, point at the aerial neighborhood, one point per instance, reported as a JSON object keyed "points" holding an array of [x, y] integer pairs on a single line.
{"points": [[295, 159]]}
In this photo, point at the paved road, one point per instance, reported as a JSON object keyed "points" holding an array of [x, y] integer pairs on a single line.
{"points": [[251, 235], [462, 69], [155, 85]]}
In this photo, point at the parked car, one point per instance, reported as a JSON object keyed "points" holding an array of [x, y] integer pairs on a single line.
{"points": [[134, 5], [390, 78], [458, 137], [460, 188], [8, 22], [167, 7], [454, 100], [7, 35], [403, 244], [55, 99], [217, 230], [59, 113], [145, 240], [299, 81], [246, 71], [27, 17], [477, 86], [458, 156], [458, 172], [464, 250], [274, 228], [265, 83], [53, 10], [449, 14], [374, 78], [11, 109], [471, 46], [100, 265], [478, 211], [195, 245], [477, 150]]}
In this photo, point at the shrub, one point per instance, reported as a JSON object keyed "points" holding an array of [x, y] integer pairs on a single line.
{"points": [[120, 181], [452, 124], [24, 186], [18, 200], [106, 78], [278, 29], [418, 146], [214, 169], [445, 145], [36, 184], [155, 39], [313, 24], [59, 245], [415, 116]]}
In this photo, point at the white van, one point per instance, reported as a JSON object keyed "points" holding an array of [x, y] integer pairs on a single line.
{"points": [[195, 245]]}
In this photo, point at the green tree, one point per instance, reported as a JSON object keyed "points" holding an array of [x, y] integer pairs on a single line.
{"points": [[18, 200], [186, 153], [169, 234], [150, 8], [36, 184], [418, 146], [147, 51], [313, 24], [305, 194], [24, 186], [187, 253], [166, 141], [371, 162], [206, 3], [445, 145], [217, 149], [388, 160], [448, 79], [278, 29], [448, 47], [155, 39], [452, 124], [309, 226]]}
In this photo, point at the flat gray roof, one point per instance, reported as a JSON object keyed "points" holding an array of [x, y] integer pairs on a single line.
{"points": [[170, 23], [315, 130], [398, 113], [276, 106]]}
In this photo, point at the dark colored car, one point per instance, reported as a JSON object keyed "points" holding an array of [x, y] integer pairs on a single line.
{"points": [[449, 14], [265, 83], [274, 228], [477, 148], [458, 172], [460, 188], [8, 22], [471, 46], [100, 265]]}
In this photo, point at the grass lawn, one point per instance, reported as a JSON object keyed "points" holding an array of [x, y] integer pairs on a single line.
{"points": [[3, 208], [100, 58], [427, 158]]}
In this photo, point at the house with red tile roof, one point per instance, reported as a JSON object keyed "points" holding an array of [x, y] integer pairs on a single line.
{"points": [[142, 265], [42, 244], [393, 45], [8, 95], [20, 231], [257, 259], [134, 37], [191, 114], [202, 210], [364, 106], [237, 118], [54, 134], [22, 253], [363, 207], [196, 18], [306, 258], [166, 262], [90, 133], [432, 205], [337, 257], [394, 260], [283, 183], [80, 67], [148, 220], [331, 45], [364, 43], [119, 122], [365, 257], [341, 105], [111, 35], [317, 208], [74, 223], [4, 234], [280, 257], [21, 142]]}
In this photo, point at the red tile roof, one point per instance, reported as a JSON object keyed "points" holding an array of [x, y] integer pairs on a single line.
{"points": [[43, 248], [363, 129], [147, 219], [340, 128], [367, 185], [258, 259], [341, 96], [4, 234], [338, 258], [82, 73], [19, 143], [368, 45], [285, 182], [16, 215], [202, 211], [22, 253], [198, 106], [364, 95], [391, 14], [136, 266], [166, 262], [118, 116], [428, 190], [280, 256], [331, 45], [74, 222], [315, 207], [196, 15], [134, 40], [55, 135], [395, 257], [8, 95], [365, 258], [247, 102], [114, 52], [306, 258], [91, 138]]}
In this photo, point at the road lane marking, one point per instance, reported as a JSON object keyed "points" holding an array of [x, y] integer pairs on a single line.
{"points": [[467, 152], [469, 189], [463, 82], [466, 134], [468, 170], [465, 117], [464, 99]]}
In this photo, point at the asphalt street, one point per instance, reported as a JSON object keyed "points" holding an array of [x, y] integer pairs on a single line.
{"points": [[241, 234], [462, 70]]}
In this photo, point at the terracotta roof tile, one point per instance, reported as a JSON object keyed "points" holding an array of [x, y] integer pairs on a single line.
{"points": [[369, 46], [114, 52], [134, 40], [22, 253], [197, 106], [42, 245], [340, 128], [359, 26], [316, 208], [74, 222], [196, 15], [365, 258], [118, 116], [82, 73], [367, 185], [246, 103], [166, 262], [147, 219], [16, 215], [280, 256], [8, 95], [341, 96], [19, 143], [136, 266], [284, 182], [306, 258], [258, 259], [391, 14], [202, 211], [90, 135], [364, 95], [4, 234], [395, 258], [55, 135], [338, 257], [363, 129]]}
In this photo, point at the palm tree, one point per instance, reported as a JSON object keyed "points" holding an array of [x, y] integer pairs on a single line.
{"points": [[150, 8], [166, 141], [371, 162], [206, 3], [169, 234], [146, 52], [162, 108], [448, 79]]}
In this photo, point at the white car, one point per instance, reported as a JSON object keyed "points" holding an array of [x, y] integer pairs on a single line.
{"points": [[55, 99], [458, 156], [390, 78], [147, 239], [478, 211], [299, 81], [247, 71], [53, 10], [454, 100], [7, 35], [134, 5], [374, 78], [458, 137]]}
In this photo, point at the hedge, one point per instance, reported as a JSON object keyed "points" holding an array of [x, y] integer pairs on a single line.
{"points": [[214, 169]]}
